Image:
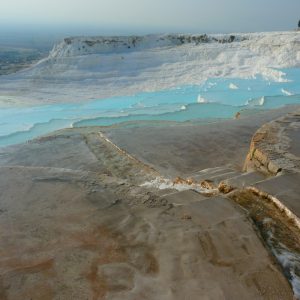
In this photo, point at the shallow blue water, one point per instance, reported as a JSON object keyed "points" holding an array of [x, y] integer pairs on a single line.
{"points": [[220, 99]]}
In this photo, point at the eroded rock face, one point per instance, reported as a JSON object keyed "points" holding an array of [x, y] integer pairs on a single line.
{"points": [[225, 188], [270, 144]]}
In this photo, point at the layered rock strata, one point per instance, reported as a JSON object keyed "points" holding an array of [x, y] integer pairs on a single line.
{"points": [[269, 149]]}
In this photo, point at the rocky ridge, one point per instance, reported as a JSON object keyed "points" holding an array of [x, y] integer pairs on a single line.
{"points": [[73, 46]]}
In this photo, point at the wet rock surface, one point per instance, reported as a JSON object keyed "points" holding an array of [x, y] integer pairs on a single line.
{"points": [[271, 202], [184, 150], [77, 224]]}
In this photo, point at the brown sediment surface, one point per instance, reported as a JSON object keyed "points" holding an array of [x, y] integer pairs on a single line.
{"points": [[75, 222], [280, 230], [272, 201], [295, 142]]}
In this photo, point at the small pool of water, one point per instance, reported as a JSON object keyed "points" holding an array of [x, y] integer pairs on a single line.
{"points": [[219, 98]]}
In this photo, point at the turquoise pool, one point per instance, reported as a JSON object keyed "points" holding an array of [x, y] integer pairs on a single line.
{"points": [[217, 98]]}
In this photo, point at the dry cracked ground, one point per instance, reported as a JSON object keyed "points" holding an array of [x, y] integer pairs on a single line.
{"points": [[75, 223]]}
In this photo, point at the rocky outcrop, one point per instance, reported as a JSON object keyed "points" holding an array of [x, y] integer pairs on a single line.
{"points": [[269, 149]]}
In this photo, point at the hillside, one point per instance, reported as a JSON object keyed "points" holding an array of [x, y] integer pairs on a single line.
{"points": [[82, 68]]}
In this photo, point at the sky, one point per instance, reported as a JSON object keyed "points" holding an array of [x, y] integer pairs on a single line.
{"points": [[149, 16]]}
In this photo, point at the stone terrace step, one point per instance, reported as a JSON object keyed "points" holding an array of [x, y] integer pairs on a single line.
{"points": [[225, 176], [184, 197], [212, 171], [216, 175], [244, 180], [286, 188]]}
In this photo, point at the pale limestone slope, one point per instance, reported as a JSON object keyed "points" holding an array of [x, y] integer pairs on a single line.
{"points": [[105, 69]]}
